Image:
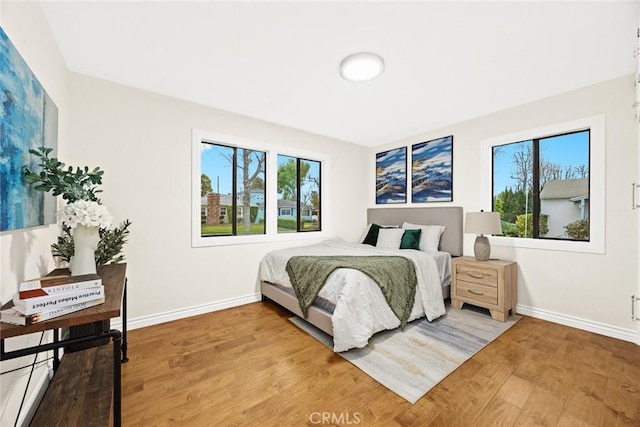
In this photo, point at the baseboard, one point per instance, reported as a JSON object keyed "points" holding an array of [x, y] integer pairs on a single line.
{"points": [[563, 319], [155, 319], [576, 322]]}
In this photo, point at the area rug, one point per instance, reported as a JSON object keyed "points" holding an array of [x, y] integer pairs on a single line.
{"points": [[412, 361]]}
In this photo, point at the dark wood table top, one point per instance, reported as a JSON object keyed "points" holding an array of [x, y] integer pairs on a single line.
{"points": [[113, 278]]}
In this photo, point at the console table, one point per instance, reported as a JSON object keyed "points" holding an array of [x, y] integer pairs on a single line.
{"points": [[76, 393]]}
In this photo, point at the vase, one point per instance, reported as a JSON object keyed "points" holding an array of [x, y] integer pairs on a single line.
{"points": [[85, 243]]}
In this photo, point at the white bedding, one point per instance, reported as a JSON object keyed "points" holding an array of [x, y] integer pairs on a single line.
{"points": [[361, 309]]}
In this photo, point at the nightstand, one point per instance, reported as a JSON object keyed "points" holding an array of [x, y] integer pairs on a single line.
{"points": [[490, 284]]}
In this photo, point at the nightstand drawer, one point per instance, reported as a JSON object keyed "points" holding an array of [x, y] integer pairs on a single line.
{"points": [[476, 292], [473, 274]]}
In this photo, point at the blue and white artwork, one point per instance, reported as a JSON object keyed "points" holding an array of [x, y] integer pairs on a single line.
{"points": [[391, 176], [28, 120], [432, 171]]}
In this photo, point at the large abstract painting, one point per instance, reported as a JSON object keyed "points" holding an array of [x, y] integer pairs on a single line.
{"points": [[432, 171], [391, 176], [28, 120]]}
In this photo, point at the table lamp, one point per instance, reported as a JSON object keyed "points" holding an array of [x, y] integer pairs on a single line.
{"points": [[482, 223]]}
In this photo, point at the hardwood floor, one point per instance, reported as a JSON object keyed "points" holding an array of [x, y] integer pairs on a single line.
{"points": [[250, 366]]}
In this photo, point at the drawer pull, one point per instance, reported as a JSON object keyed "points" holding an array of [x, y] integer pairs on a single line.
{"points": [[476, 275], [471, 291]]}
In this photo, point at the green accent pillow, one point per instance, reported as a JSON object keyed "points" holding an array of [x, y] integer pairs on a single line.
{"points": [[372, 235], [411, 239]]}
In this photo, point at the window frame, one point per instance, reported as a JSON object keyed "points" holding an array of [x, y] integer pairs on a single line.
{"points": [[596, 127], [271, 192], [299, 211], [238, 210]]}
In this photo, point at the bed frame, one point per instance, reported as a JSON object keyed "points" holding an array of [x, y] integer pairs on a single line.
{"points": [[451, 241]]}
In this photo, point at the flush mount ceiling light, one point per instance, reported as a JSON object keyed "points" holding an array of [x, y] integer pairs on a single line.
{"points": [[361, 67]]}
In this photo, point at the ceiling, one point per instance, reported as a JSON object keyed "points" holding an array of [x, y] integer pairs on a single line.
{"points": [[278, 61]]}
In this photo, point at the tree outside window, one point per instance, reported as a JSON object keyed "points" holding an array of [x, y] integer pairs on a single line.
{"points": [[232, 190], [541, 187], [298, 195]]}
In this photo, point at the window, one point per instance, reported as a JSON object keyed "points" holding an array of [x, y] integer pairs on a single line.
{"points": [[239, 196], [548, 186], [541, 187], [285, 212], [231, 180], [298, 195]]}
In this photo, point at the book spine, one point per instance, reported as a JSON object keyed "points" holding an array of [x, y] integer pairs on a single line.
{"points": [[15, 317], [37, 283], [54, 281], [50, 314], [53, 290], [50, 302]]}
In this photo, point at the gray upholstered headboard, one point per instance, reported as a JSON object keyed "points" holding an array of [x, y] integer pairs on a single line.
{"points": [[449, 216]]}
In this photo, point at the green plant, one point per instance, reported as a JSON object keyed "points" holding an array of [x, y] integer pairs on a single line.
{"points": [[75, 186], [64, 249], [509, 230], [524, 223], [80, 184], [578, 230], [288, 223], [109, 247]]}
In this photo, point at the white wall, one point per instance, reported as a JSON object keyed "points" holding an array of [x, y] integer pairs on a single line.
{"points": [[26, 253], [586, 290], [143, 142]]}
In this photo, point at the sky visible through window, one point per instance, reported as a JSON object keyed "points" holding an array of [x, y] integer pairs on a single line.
{"points": [[565, 150], [215, 164], [218, 168]]}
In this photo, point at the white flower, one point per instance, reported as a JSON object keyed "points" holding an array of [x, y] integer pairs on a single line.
{"points": [[84, 212]]}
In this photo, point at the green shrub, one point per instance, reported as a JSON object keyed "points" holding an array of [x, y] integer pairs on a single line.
{"points": [[527, 219], [288, 223], [509, 230], [254, 214], [578, 230]]}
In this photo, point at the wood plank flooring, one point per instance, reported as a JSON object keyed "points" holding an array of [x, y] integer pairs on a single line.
{"points": [[249, 366]]}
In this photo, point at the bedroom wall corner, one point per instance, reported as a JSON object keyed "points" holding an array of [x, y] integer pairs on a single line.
{"points": [[583, 289]]}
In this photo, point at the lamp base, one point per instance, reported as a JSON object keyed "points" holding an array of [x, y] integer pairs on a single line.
{"points": [[482, 248]]}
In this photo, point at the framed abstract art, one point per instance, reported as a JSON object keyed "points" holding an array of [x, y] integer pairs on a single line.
{"points": [[391, 176], [29, 119], [432, 171]]}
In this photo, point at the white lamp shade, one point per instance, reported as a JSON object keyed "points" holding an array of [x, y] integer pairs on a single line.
{"points": [[361, 67], [483, 223]]}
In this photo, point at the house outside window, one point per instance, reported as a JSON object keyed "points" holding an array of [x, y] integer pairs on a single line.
{"points": [[232, 204], [203, 214], [541, 187], [559, 196], [298, 194], [228, 176]]}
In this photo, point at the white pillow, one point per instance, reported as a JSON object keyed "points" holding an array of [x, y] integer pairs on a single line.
{"points": [[430, 236], [389, 238]]}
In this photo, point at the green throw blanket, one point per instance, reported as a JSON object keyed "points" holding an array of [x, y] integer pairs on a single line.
{"points": [[395, 275]]}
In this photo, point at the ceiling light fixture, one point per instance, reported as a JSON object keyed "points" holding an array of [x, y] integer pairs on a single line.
{"points": [[361, 67]]}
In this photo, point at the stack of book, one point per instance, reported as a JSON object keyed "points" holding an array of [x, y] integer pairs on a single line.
{"points": [[48, 297]]}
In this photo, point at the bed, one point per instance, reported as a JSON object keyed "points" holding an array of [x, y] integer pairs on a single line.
{"points": [[351, 307]]}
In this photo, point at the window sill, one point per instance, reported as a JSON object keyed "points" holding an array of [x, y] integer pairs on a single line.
{"points": [[593, 247], [202, 242]]}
